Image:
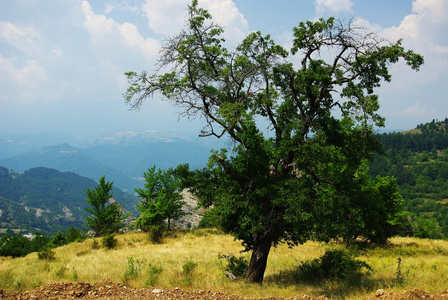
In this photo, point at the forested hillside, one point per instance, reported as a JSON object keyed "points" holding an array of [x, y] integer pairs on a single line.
{"points": [[47, 200], [419, 160]]}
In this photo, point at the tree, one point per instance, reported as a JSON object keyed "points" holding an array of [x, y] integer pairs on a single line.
{"points": [[106, 216], [161, 199], [269, 187]]}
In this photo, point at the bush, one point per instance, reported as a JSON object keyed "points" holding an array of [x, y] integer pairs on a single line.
{"points": [[155, 233], [109, 241], [95, 244], [58, 240], [238, 266], [133, 270], [188, 269], [153, 275], [15, 246], [46, 254], [333, 265]]}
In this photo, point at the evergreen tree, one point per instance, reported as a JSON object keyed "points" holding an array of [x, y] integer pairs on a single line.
{"points": [[106, 216]]}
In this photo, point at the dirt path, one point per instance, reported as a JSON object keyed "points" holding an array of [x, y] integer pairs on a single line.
{"points": [[111, 290]]}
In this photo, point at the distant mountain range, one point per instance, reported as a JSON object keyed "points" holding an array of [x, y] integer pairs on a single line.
{"points": [[47, 200], [122, 157]]}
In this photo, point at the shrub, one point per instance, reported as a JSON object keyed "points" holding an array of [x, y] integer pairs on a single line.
{"points": [[95, 244], [155, 233], [133, 270], [238, 266], [46, 254], [58, 240], [188, 269], [153, 275], [333, 265], [109, 241]]}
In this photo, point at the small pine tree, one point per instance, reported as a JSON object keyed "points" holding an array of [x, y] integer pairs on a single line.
{"points": [[106, 217]]}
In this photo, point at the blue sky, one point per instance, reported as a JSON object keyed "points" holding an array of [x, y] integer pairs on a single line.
{"points": [[62, 62]]}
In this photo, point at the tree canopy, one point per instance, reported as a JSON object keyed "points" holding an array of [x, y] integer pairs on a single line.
{"points": [[301, 132]]}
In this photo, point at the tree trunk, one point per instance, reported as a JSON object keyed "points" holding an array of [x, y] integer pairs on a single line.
{"points": [[259, 258]]}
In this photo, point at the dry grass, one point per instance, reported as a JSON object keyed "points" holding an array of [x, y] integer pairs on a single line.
{"points": [[423, 266]]}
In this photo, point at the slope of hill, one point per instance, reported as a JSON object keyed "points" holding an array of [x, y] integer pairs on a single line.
{"points": [[418, 158], [64, 157], [45, 199]]}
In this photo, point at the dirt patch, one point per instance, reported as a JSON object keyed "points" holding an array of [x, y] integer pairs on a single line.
{"points": [[111, 290]]}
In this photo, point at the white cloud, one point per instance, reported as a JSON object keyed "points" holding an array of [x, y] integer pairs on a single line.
{"points": [[436, 11], [417, 111], [425, 28], [169, 16], [108, 34], [25, 39], [333, 6], [25, 79], [121, 6]]}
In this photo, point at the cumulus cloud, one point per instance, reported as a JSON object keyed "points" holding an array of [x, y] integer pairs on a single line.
{"points": [[427, 24], [169, 16], [333, 6], [108, 33]]}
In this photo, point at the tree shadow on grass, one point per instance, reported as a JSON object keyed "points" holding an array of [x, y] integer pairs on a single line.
{"points": [[357, 283]]}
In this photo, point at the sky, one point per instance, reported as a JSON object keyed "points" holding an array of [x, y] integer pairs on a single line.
{"points": [[62, 62]]}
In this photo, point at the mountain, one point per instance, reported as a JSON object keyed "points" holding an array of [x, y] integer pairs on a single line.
{"points": [[64, 157], [123, 156], [47, 200], [134, 152], [418, 159]]}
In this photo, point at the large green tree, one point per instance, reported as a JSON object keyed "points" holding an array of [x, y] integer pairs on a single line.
{"points": [[300, 131], [106, 217]]}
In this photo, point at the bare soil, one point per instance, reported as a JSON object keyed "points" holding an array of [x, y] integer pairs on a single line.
{"points": [[111, 290]]}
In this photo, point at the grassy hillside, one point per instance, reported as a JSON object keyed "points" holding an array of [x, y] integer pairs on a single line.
{"points": [[423, 266]]}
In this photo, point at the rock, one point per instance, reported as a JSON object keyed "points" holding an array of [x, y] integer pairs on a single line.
{"points": [[157, 291], [379, 293], [230, 276]]}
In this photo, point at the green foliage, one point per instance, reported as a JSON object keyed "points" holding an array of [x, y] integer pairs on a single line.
{"points": [[133, 270], [109, 241], [399, 278], [58, 240], [238, 266], [105, 217], [271, 187], [15, 246], [419, 161], [153, 275], [75, 235], [333, 265], [161, 199], [187, 270], [211, 219], [46, 254], [41, 190], [155, 233], [95, 244]]}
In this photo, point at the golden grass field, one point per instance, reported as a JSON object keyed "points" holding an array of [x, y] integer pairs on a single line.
{"points": [[424, 265]]}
